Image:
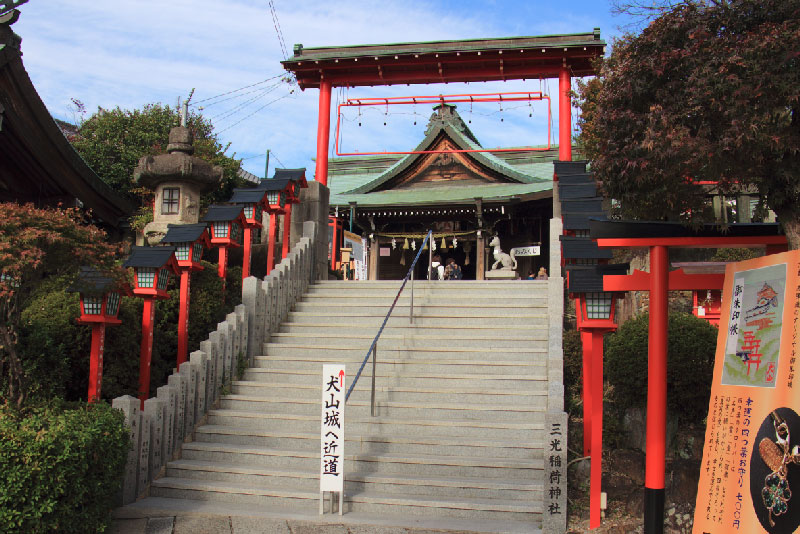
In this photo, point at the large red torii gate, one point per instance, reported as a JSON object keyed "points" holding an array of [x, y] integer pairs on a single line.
{"points": [[473, 60]]}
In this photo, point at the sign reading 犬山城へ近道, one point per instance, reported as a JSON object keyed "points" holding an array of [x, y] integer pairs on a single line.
{"points": [[750, 474], [331, 476]]}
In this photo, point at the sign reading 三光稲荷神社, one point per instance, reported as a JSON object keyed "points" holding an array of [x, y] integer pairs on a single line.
{"points": [[749, 479], [332, 428]]}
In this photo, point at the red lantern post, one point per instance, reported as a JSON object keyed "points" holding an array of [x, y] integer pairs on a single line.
{"points": [[252, 202], [189, 241], [99, 295], [152, 267], [225, 225]]}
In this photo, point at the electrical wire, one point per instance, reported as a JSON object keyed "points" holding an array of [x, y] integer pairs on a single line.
{"points": [[230, 98], [231, 112], [278, 31], [236, 90], [256, 111]]}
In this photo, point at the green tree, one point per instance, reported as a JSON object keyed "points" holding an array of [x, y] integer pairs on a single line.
{"points": [[36, 244], [112, 141], [709, 91]]}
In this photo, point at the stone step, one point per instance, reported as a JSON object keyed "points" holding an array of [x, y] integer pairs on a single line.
{"points": [[365, 443], [389, 463], [362, 392], [400, 408], [462, 339], [522, 432], [340, 354], [384, 378], [308, 480], [345, 285], [447, 291], [416, 505], [471, 308], [445, 318], [454, 328], [401, 365]]}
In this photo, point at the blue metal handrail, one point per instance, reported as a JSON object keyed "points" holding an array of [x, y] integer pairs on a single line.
{"points": [[373, 347]]}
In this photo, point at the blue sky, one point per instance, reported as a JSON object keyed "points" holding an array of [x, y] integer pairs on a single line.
{"points": [[128, 53]]}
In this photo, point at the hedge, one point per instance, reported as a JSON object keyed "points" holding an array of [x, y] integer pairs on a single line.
{"points": [[60, 468]]}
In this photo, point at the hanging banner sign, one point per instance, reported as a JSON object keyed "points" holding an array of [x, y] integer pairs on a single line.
{"points": [[331, 476], [750, 475], [533, 250]]}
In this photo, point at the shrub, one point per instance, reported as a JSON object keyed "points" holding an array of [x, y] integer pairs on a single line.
{"points": [[690, 364], [60, 469]]}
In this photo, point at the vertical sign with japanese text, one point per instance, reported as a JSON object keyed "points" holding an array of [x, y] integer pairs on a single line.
{"points": [[750, 473], [332, 428]]}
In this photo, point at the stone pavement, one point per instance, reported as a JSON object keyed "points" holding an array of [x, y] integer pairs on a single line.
{"points": [[155, 515]]}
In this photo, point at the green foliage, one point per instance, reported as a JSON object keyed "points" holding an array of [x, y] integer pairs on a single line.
{"points": [[707, 91], [690, 364], [54, 348], [60, 469], [735, 254], [573, 369], [36, 244], [112, 141]]}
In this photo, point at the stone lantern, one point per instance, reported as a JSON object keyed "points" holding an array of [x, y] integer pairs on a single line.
{"points": [[178, 179]]}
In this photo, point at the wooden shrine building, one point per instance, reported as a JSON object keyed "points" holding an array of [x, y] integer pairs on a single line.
{"points": [[465, 198]]}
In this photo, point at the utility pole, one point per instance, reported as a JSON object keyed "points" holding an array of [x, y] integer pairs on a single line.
{"points": [[266, 169]]}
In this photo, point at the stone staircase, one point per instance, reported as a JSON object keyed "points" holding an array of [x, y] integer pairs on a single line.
{"points": [[461, 399]]}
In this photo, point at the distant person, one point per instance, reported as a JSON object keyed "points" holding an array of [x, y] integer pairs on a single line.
{"points": [[530, 276], [542, 275], [437, 269], [452, 271]]}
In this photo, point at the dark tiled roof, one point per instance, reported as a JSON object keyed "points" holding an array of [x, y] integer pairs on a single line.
{"points": [[183, 233], [218, 212], [290, 174], [149, 257], [247, 196], [649, 229], [273, 184], [92, 282]]}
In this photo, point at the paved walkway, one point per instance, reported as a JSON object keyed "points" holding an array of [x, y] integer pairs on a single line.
{"points": [[155, 515]]}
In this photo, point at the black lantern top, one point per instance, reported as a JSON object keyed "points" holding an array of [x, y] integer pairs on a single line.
{"points": [[252, 201], [226, 224], [152, 266], [99, 294], [189, 241]]}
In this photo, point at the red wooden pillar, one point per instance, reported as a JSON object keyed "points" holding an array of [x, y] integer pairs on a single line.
{"points": [[564, 116], [596, 342], [146, 353], [222, 267], [247, 236], [656, 392], [586, 393], [287, 224], [96, 361], [323, 132], [271, 242], [183, 316]]}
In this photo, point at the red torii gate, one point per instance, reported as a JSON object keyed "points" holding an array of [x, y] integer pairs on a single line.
{"points": [[473, 60], [658, 237]]}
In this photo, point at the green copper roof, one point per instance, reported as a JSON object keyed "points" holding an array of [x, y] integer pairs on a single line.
{"points": [[427, 47]]}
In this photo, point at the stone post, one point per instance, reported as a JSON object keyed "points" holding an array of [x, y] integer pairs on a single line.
{"points": [[129, 406]]}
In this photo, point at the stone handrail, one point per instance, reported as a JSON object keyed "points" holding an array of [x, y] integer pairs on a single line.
{"points": [[169, 419]]}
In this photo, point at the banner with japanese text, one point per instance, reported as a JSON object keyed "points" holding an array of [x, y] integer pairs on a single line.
{"points": [[750, 474]]}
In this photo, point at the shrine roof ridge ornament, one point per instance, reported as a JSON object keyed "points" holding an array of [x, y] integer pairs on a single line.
{"points": [[504, 58]]}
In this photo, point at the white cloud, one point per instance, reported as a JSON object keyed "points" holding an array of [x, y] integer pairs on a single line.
{"points": [[129, 53]]}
